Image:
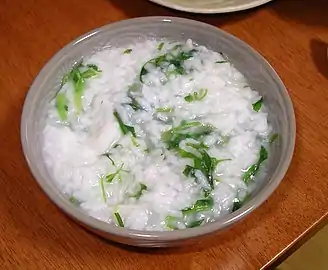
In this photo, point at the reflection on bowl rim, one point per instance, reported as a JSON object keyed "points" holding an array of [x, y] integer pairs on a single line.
{"points": [[209, 10]]}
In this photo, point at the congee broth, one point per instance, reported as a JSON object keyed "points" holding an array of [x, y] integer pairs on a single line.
{"points": [[158, 135]]}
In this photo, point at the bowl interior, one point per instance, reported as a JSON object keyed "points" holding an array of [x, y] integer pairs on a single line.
{"points": [[258, 72]]}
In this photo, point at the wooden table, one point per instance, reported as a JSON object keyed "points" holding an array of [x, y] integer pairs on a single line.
{"points": [[34, 234]]}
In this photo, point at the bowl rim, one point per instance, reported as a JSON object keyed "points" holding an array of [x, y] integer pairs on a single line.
{"points": [[103, 227], [202, 10]]}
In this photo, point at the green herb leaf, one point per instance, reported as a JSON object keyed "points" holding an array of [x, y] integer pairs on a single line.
{"points": [[193, 130], [134, 104], [237, 204], [102, 186], [184, 154], [196, 96], [250, 173], [119, 219], [117, 145], [189, 98], [273, 138], [196, 223], [95, 67], [200, 206], [165, 60], [257, 105], [124, 128], [198, 145], [160, 46], [89, 73], [110, 177], [108, 156], [139, 193], [222, 62], [263, 155], [205, 164], [189, 171], [64, 80], [164, 110], [92, 71], [78, 79], [206, 192], [61, 104], [127, 51], [143, 72], [186, 55], [74, 200], [171, 222], [135, 142], [79, 83]]}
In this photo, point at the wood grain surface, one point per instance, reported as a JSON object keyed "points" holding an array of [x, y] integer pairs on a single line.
{"points": [[35, 234]]}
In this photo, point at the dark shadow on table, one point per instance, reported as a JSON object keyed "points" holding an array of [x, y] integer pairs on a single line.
{"points": [[302, 11], [319, 51], [141, 8]]}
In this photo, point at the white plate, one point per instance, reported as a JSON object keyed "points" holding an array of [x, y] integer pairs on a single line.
{"points": [[210, 6]]}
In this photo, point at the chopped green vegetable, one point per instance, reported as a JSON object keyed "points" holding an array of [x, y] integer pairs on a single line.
{"points": [[64, 80], [184, 154], [74, 200], [196, 223], [160, 46], [110, 177], [171, 222], [79, 83], [78, 75], [193, 130], [186, 55], [135, 142], [127, 51], [108, 156], [143, 72], [124, 128], [155, 61], [116, 145], [134, 104], [206, 192], [250, 173], [102, 186], [95, 67], [165, 110], [237, 203], [198, 145], [189, 171], [164, 61], [205, 164], [257, 105], [139, 193], [92, 71], [119, 219], [200, 206], [196, 96], [222, 62], [273, 138], [189, 98], [61, 104]]}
